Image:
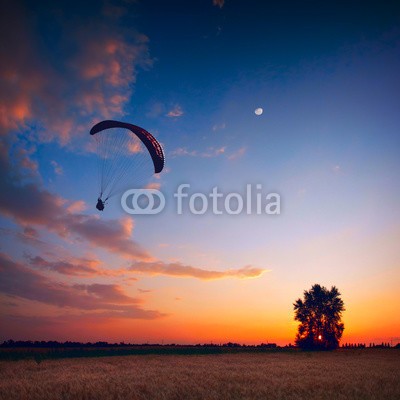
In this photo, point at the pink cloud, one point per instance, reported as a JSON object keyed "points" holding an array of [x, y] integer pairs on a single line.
{"points": [[153, 185], [66, 264], [113, 235], [77, 207], [135, 147], [187, 271], [109, 293], [76, 267]]}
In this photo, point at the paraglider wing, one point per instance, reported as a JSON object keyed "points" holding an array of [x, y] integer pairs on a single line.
{"points": [[151, 143], [127, 156]]}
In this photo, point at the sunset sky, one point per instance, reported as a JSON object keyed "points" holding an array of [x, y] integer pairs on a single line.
{"points": [[192, 73]]}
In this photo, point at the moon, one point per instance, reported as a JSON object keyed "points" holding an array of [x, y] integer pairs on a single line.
{"points": [[258, 111]]}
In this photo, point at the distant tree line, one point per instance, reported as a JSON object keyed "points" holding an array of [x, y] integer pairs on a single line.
{"points": [[353, 346], [69, 344], [383, 345]]}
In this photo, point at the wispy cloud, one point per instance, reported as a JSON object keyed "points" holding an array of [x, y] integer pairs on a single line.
{"points": [[219, 127], [82, 267], [175, 112], [187, 271], [237, 154], [208, 153], [183, 151], [212, 152], [58, 170]]}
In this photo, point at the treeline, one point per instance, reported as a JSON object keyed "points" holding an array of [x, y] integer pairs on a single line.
{"points": [[69, 344], [42, 350], [383, 345], [78, 345]]}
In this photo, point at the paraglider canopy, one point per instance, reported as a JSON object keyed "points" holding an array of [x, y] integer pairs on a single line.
{"points": [[151, 143], [128, 155]]}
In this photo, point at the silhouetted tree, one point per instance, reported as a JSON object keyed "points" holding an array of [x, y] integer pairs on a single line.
{"points": [[319, 314]]}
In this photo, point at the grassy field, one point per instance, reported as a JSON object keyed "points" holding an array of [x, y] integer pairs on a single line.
{"points": [[344, 374]]}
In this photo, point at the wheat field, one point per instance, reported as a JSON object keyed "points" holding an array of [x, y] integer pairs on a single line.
{"points": [[348, 374]]}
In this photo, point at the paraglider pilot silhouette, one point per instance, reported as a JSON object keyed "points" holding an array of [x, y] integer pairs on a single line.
{"points": [[123, 151], [100, 204]]}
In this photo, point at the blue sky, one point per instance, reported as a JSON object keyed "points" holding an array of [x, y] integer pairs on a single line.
{"points": [[326, 76]]}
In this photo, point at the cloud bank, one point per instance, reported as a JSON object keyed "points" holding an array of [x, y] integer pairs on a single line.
{"points": [[92, 81], [16, 280]]}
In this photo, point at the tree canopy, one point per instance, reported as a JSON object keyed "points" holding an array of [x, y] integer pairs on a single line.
{"points": [[319, 313]]}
